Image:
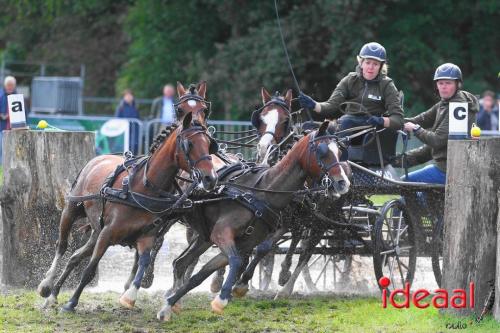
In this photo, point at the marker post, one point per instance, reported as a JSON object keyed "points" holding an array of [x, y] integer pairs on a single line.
{"points": [[17, 112]]}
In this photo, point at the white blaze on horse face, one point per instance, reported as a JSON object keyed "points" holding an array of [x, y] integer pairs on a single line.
{"points": [[271, 120], [335, 150], [191, 103]]}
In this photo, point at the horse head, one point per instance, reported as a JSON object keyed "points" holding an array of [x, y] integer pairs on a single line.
{"points": [[272, 121], [194, 147], [192, 100], [322, 160]]}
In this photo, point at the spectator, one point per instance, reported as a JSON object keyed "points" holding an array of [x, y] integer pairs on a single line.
{"points": [[163, 107], [9, 87], [487, 118], [127, 109]]}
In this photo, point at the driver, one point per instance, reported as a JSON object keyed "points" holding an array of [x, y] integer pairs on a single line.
{"points": [[431, 127], [375, 97]]}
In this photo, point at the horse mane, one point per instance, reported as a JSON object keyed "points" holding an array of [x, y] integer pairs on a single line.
{"points": [[162, 136], [192, 89]]}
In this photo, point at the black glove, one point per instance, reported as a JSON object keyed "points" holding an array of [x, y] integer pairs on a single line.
{"points": [[375, 121], [306, 101], [396, 161]]}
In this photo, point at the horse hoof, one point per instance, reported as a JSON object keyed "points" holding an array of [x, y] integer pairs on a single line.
{"points": [[176, 308], [127, 302], [49, 302], [218, 305], [240, 290], [44, 290], [165, 313], [283, 293], [216, 285], [284, 277], [128, 297], [68, 308]]}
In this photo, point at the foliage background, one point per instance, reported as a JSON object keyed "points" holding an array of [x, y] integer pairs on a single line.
{"points": [[235, 46]]}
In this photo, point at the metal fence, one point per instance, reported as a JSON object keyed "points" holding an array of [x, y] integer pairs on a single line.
{"points": [[153, 127], [142, 133]]}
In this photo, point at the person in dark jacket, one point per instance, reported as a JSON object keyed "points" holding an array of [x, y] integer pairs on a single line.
{"points": [[9, 88], [376, 98], [127, 109], [487, 118], [163, 109], [432, 128]]}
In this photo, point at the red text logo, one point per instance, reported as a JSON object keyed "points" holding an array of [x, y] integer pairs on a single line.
{"points": [[460, 298]]}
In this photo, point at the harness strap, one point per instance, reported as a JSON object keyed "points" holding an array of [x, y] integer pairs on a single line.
{"points": [[148, 184], [81, 198], [260, 209]]}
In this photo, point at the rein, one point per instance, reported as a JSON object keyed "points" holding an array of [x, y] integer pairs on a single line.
{"points": [[311, 148]]}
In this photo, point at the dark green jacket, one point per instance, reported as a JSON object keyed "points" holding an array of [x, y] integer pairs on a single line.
{"points": [[379, 96], [435, 129]]}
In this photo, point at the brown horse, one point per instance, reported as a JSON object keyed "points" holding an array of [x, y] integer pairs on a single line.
{"points": [[185, 147], [227, 222], [273, 123]]}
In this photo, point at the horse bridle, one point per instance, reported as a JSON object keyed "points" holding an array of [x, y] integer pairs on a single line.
{"points": [[275, 100], [320, 150], [207, 110], [184, 145]]}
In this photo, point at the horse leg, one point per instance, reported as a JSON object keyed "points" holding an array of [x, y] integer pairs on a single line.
{"points": [[133, 272], [285, 274], [214, 264], [267, 266], [191, 237], [235, 263], [148, 278], [195, 249], [89, 272], [74, 260], [241, 287], [217, 280], [309, 245], [69, 215], [144, 246]]}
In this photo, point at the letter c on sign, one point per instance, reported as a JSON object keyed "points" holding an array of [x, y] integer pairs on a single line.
{"points": [[459, 113]]}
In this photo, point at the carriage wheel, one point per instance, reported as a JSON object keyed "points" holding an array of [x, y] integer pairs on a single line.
{"points": [[437, 250], [395, 250], [324, 269]]}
